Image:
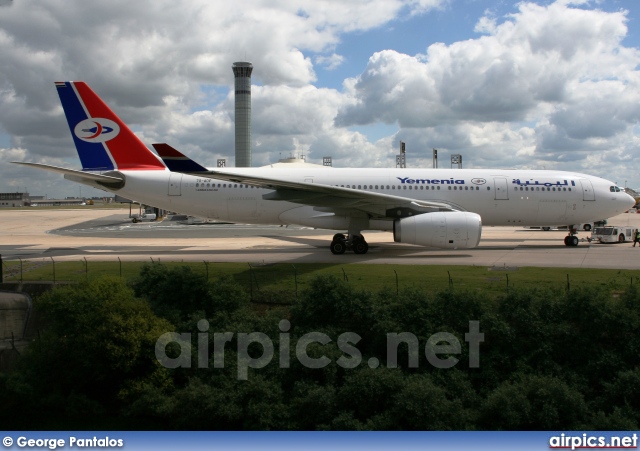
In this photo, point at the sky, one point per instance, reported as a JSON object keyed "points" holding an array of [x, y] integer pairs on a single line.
{"points": [[534, 84]]}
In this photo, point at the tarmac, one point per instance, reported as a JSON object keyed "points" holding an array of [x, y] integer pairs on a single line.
{"points": [[98, 234]]}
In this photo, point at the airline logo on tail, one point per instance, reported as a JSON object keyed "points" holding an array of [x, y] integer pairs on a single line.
{"points": [[102, 140], [96, 130]]}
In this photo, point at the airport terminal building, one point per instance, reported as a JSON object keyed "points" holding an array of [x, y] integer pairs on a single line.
{"points": [[8, 200]]}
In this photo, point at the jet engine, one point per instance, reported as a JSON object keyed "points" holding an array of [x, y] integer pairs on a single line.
{"points": [[450, 230]]}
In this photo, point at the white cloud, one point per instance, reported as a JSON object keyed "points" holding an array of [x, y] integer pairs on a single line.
{"points": [[150, 59], [554, 78], [549, 86], [330, 62]]}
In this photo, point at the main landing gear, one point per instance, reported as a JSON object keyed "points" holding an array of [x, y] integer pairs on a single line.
{"points": [[342, 243], [571, 239]]}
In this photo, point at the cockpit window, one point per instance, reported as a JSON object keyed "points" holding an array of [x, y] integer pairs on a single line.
{"points": [[615, 189]]}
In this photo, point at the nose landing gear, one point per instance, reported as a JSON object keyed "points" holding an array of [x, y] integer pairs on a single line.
{"points": [[571, 240]]}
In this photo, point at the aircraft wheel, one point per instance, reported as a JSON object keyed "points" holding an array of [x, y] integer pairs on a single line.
{"points": [[134, 220], [360, 247], [338, 236], [566, 240], [338, 247], [573, 241]]}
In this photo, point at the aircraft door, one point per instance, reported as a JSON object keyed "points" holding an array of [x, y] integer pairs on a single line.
{"points": [[587, 190], [500, 184], [175, 183]]}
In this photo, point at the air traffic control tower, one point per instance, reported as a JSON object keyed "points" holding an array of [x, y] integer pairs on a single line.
{"points": [[242, 73]]}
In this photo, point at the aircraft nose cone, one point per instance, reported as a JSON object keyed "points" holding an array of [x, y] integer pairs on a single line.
{"points": [[629, 201]]}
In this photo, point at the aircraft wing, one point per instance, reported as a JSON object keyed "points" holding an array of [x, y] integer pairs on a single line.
{"points": [[334, 198], [325, 197], [78, 176]]}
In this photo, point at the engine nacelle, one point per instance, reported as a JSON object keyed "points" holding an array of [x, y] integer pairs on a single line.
{"points": [[451, 230]]}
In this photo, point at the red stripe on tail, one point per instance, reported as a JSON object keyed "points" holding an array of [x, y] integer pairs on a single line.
{"points": [[128, 152]]}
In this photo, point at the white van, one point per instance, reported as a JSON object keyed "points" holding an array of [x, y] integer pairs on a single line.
{"points": [[613, 234]]}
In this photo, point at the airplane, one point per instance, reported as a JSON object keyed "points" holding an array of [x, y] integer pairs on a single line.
{"points": [[442, 208]]}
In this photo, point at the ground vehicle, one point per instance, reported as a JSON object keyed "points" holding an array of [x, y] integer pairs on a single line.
{"points": [[613, 234], [586, 227], [145, 213], [143, 217]]}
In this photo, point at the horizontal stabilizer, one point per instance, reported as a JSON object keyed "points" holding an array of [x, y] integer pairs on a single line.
{"points": [[108, 180]]}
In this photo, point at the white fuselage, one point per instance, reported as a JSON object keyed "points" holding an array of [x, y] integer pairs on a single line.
{"points": [[500, 197]]}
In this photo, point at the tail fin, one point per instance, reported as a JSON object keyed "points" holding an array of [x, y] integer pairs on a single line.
{"points": [[177, 161], [103, 141]]}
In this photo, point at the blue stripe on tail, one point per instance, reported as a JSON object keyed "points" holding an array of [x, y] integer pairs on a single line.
{"points": [[93, 156]]}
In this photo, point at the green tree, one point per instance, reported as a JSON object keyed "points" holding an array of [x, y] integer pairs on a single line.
{"points": [[533, 403], [173, 292], [96, 354], [332, 302]]}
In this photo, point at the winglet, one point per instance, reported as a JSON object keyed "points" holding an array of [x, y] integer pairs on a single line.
{"points": [[177, 161]]}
